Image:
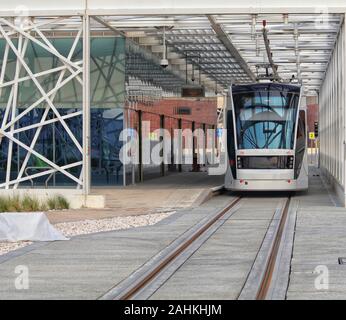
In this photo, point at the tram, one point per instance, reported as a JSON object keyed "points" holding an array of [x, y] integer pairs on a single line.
{"points": [[266, 138]]}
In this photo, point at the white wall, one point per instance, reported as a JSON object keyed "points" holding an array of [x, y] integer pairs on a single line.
{"points": [[332, 122]]}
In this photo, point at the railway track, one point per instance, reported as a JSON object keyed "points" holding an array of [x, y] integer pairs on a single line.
{"points": [[273, 255], [147, 279]]}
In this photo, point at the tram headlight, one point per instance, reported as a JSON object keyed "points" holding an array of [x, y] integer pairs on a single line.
{"points": [[290, 161], [239, 163]]}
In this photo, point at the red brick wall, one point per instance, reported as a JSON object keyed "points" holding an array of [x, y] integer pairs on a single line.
{"points": [[202, 110], [312, 116]]}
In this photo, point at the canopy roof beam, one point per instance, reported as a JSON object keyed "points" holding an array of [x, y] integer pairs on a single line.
{"points": [[224, 38]]}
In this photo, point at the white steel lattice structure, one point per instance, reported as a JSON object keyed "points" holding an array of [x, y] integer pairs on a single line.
{"points": [[17, 71]]}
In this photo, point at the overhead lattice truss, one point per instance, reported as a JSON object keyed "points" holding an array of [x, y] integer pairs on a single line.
{"points": [[30, 87], [301, 44]]}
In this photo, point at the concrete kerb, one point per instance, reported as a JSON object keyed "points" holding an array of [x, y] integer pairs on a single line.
{"points": [[332, 186], [206, 195]]}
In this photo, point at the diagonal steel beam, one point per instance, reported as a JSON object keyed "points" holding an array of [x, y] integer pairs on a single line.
{"points": [[226, 41], [107, 25]]}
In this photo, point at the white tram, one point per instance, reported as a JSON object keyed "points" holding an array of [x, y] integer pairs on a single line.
{"points": [[266, 138]]}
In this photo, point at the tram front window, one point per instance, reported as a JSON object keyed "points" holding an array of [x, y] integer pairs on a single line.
{"points": [[265, 119]]}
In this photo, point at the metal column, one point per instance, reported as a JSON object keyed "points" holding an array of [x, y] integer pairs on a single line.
{"points": [[140, 153], [86, 104], [180, 168], [162, 128]]}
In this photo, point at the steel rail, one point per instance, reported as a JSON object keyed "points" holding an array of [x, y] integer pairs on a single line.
{"points": [[273, 255], [156, 269]]}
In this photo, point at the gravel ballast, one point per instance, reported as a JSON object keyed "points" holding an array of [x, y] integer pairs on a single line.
{"points": [[70, 229]]}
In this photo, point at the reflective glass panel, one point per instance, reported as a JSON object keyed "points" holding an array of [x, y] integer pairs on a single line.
{"points": [[265, 119]]}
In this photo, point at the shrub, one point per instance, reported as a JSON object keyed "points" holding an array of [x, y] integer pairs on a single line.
{"points": [[3, 204], [51, 203], [62, 203], [14, 204], [29, 204], [58, 203]]}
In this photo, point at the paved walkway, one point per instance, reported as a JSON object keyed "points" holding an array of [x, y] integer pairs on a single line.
{"points": [[320, 239], [175, 191], [178, 190]]}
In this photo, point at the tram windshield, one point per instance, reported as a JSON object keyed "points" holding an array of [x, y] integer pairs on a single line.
{"points": [[265, 117]]}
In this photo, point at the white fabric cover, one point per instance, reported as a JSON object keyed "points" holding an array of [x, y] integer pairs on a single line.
{"points": [[33, 226]]}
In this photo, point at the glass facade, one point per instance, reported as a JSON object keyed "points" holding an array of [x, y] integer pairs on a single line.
{"points": [[59, 140], [41, 110], [107, 79], [23, 108]]}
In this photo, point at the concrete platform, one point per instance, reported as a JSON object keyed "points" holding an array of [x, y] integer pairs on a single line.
{"points": [[86, 267], [178, 190], [320, 239], [175, 191]]}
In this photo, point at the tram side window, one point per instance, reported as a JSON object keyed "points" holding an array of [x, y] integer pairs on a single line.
{"points": [[231, 143], [300, 143], [301, 130]]}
